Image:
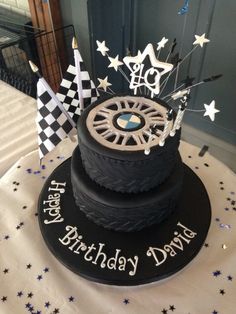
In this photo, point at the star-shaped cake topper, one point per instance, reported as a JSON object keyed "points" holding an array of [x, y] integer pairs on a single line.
{"points": [[115, 63], [149, 78], [200, 40], [161, 44], [102, 47], [211, 110], [104, 83]]}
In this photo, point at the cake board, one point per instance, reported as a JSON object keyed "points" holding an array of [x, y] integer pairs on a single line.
{"points": [[120, 258]]}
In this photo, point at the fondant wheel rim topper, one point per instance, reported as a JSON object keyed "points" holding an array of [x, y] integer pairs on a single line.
{"points": [[124, 123]]}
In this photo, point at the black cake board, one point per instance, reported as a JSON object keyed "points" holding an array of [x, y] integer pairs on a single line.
{"points": [[119, 258]]}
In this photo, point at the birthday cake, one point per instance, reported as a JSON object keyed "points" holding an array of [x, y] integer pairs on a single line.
{"points": [[125, 198], [115, 183]]}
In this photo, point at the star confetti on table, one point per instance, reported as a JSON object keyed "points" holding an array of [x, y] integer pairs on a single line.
{"points": [[214, 312], [115, 63], [164, 311], [222, 291], [30, 295], [19, 294], [71, 299], [230, 278], [200, 40], [216, 273], [46, 270], [211, 110], [126, 301], [28, 266], [4, 299], [104, 83], [47, 304], [39, 277], [6, 271], [56, 311], [161, 43], [172, 308], [102, 47]]}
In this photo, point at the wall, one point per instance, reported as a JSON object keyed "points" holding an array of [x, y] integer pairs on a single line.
{"points": [[75, 12], [18, 6]]}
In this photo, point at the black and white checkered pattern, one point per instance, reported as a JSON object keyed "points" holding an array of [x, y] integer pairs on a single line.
{"points": [[68, 94], [52, 124]]}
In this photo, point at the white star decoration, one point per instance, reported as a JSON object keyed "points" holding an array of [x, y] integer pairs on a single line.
{"points": [[162, 43], [115, 63], [151, 77], [104, 83], [102, 47], [211, 110], [201, 40]]}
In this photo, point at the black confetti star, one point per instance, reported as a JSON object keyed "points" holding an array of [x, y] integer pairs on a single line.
{"points": [[40, 277], [164, 311], [126, 301], [206, 245], [47, 304], [28, 266], [71, 299], [222, 291], [21, 223], [188, 81], [230, 278], [38, 312], [172, 308], [214, 312], [216, 273], [31, 308], [36, 214], [19, 294], [28, 305], [4, 299], [6, 271], [6, 237], [56, 311], [30, 295], [24, 207], [18, 227], [46, 270]]}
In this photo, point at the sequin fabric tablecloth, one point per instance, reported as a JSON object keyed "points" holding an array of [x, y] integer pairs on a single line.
{"points": [[33, 281]]}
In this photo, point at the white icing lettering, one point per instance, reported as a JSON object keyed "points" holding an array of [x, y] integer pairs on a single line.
{"points": [[134, 263], [162, 258], [90, 248], [111, 262], [187, 232], [122, 262], [57, 219], [103, 255], [71, 235], [56, 186]]}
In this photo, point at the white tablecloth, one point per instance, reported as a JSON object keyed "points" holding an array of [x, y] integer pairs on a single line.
{"points": [[18, 134], [32, 280]]}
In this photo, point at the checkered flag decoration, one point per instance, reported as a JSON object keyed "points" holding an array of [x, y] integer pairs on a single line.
{"points": [[68, 90], [52, 121]]}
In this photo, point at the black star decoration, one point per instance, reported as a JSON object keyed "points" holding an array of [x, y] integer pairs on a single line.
{"points": [[28, 266], [4, 299], [230, 278], [6, 271], [216, 273], [40, 277], [172, 308], [47, 304], [126, 301], [188, 81], [30, 295], [214, 312], [222, 291], [19, 294], [71, 299], [164, 311], [28, 305], [46, 270], [206, 245], [56, 311]]}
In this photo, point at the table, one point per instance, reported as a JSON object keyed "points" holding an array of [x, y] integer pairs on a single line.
{"points": [[32, 280], [18, 133]]}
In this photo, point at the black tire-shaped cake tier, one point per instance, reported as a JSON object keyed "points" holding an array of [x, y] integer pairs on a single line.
{"points": [[113, 135], [122, 211]]}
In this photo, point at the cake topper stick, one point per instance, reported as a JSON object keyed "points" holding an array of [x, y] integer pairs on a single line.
{"points": [[35, 69], [169, 117], [78, 72], [180, 115]]}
